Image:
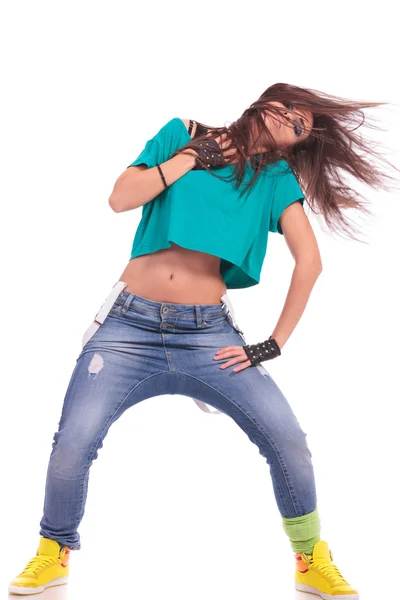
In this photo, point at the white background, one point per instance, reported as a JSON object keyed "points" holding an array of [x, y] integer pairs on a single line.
{"points": [[180, 503]]}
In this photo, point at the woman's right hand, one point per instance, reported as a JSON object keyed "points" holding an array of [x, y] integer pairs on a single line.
{"points": [[209, 153]]}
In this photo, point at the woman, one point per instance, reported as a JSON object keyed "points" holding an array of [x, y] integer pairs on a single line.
{"points": [[210, 196]]}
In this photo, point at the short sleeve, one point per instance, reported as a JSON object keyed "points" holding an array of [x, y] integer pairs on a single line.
{"points": [[286, 191], [157, 148]]}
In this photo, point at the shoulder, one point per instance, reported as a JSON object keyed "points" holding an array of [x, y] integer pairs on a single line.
{"points": [[281, 167], [186, 123], [174, 128], [278, 168], [284, 174], [178, 125]]}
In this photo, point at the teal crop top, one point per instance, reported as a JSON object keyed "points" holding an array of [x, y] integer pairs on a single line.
{"points": [[203, 213]]}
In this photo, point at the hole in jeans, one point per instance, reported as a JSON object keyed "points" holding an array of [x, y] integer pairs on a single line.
{"points": [[96, 364]]}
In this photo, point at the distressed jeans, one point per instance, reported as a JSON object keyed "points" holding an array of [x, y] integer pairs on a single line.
{"points": [[144, 349]]}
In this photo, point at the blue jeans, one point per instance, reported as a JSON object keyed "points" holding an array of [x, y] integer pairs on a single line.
{"points": [[145, 349]]}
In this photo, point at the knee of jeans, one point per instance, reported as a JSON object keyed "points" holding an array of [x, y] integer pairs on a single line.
{"points": [[71, 459], [298, 444]]}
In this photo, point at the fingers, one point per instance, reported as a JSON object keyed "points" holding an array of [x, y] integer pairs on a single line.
{"points": [[237, 355], [243, 366], [234, 361], [228, 351]]}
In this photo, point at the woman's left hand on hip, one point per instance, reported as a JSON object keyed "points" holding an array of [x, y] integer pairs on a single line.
{"points": [[238, 355]]}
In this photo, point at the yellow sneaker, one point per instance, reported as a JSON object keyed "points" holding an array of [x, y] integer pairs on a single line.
{"points": [[48, 568], [316, 574]]}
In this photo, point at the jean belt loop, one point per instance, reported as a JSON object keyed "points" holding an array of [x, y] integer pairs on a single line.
{"points": [[127, 302], [199, 318]]}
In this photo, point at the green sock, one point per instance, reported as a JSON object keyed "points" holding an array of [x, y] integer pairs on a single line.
{"points": [[303, 532]]}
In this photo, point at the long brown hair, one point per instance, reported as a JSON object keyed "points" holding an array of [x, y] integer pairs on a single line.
{"points": [[335, 148]]}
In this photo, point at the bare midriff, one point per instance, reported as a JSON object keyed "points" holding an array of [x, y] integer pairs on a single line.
{"points": [[177, 275]]}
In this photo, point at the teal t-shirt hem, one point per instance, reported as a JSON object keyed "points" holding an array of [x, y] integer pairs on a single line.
{"points": [[233, 280]]}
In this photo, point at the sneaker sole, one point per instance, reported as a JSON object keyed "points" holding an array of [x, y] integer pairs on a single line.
{"points": [[306, 588], [25, 591]]}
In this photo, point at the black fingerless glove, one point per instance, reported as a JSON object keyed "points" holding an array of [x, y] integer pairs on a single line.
{"points": [[209, 153], [263, 351]]}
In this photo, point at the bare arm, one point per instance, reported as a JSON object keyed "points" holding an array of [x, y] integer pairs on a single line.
{"points": [[303, 246], [139, 184]]}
